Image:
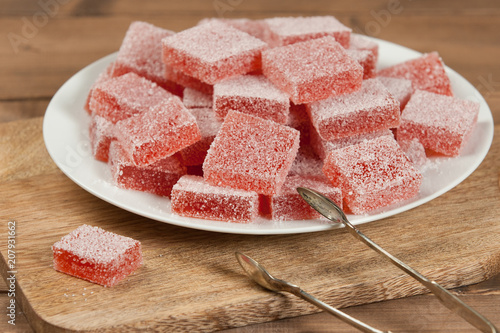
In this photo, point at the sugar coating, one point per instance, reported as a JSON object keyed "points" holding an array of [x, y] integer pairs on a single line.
{"points": [[122, 97], [102, 77], [369, 109], [401, 89], [209, 126], [441, 123], [157, 133], [372, 174], [366, 59], [213, 51], [426, 73], [414, 150], [256, 28], [141, 53], [289, 205], [251, 94], [290, 30], [360, 42], [312, 70], [192, 196], [96, 255], [157, 178], [307, 163], [299, 119], [101, 133], [323, 147], [185, 80], [251, 153], [193, 98]]}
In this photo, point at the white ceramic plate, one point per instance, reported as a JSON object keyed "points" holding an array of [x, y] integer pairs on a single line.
{"points": [[65, 131]]}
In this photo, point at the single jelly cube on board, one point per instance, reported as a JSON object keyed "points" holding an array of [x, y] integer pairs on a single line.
{"points": [[158, 133], [426, 73], [193, 98], [124, 96], [251, 94], [288, 205], [101, 133], [372, 174], [369, 109], [157, 178], [209, 126], [312, 70], [96, 255], [213, 51], [290, 30], [103, 76], [401, 89], [323, 147], [367, 60], [192, 196], [414, 150], [441, 123], [184, 80], [141, 53], [251, 153], [360, 42]]}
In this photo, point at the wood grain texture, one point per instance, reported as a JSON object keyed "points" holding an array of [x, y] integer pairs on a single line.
{"points": [[209, 291]]}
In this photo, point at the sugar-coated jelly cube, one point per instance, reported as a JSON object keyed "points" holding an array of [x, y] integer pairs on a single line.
{"points": [[192, 196], [103, 76], [121, 97], [369, 109], [251, 153], [426, 73], [312, 70], [401, 89], [251, 94], [101, 133], [367, 60], [213, 51], [141, 53], [209, 126], [372, 174], [287, 204], [157, 133], [157, 178], [96, 255], [441, 123], [290, 30], [193, 98]]}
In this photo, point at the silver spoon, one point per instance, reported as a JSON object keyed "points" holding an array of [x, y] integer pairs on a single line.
{"points": [[332, 212], [260, 275]]}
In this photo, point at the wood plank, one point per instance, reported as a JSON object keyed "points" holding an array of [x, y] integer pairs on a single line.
{"points": [[22, 109], [209, 291]]}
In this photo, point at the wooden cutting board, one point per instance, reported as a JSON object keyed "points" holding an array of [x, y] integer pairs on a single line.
{"points": [[191, 281]]}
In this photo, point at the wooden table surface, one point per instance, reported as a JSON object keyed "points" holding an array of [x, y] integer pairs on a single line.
{"points": [[45, 42]]}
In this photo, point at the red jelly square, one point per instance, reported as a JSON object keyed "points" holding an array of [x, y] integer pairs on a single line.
{"points": [[213, 51], [157, 133], [251, 153], [372, 174], [370, 109], [441, 123], [96, 255], [192, 196], [312, 70]]}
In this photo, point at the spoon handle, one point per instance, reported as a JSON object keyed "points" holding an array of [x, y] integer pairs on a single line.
{"points": [[337, 313], [444, 296]]}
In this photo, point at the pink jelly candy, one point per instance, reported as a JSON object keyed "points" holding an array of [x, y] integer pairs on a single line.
{"points": [[192, 196], [312, 70], [96, 255], [121, 97], [209, 127], [179, 77], [369, 109], [103, 76], [252, 94], [426, 73], [251, 153], [141, 53], [290, 30], [287, 204], [367, 60], [360, 42], [157, 133], [372, 174], [256, 28], [157, 178], [101, 133], [193, 98], [213, 51], [441, 123], [401, 89]]}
